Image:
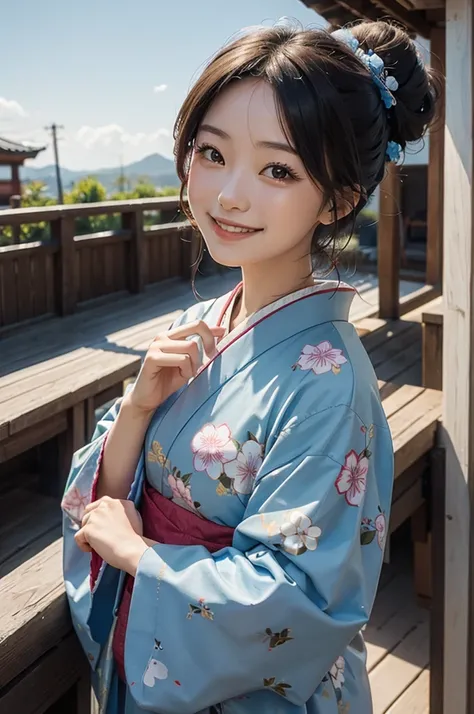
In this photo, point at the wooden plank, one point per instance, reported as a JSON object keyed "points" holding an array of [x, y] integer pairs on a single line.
{"points": [[47, 680], [388, 251], [415, 699], [101, 372], [383, 633], [438, 506], [31, 550], [391, 633], [406, 505], [403, 396], [433, 312], [25, 516], [33, 612], [388, 330], [395, 345], [411, 413], [432, 356], [388, 371], [23, 282], [63, 231], [38, 285], [401, 667], [435, 197], [34, 436], [133, 221], [10, 294], [458, 365], [416, 440]]}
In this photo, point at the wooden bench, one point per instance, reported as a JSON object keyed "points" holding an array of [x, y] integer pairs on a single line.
{"points": [[42, 668], [414, 412], [432, 319]]}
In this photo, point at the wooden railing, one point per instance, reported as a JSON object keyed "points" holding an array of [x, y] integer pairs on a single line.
{"points": [[55, 276]]}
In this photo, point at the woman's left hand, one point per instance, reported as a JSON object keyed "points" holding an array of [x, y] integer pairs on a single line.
{"points": [[113, 528]]}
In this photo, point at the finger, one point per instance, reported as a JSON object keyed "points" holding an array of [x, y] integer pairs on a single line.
{"points": [[189, 347], [92, 506], [181, 361], [81, 541], [206, 333]]}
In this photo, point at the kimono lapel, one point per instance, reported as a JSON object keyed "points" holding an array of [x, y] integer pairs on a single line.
{"points": [[272, 325]]}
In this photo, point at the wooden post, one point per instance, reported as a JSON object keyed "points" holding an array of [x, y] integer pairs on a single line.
{"points": [[16, 184], [434, 238], [438, 504], [458, 364], [133, 222], [388, 242], [62, 232], [15, 202]]}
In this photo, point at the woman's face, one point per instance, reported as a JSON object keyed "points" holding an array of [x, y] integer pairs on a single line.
{"points": [[248, 191]]}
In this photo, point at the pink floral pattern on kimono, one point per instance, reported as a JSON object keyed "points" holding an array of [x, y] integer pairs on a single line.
{"points": [[213, 447], [352, 479], [243, 469], [181, 492], [321, 358], [381, 526], [74, 503]]}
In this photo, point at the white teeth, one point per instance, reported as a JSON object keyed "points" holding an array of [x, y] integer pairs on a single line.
{"points": [[234, 229]]}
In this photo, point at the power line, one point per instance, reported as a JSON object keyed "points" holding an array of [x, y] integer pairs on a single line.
{"points": [[53, 129]]}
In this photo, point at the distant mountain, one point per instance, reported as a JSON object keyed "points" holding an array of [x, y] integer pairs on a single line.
{"points": [[159, 170]]}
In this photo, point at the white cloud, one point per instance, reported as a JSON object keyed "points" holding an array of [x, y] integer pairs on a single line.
{"points": [[160, 88], [110, 134], [10, 107]]}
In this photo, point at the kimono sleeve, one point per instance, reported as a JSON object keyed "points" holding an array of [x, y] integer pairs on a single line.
{"points": [[76, 564], [278, 608]]}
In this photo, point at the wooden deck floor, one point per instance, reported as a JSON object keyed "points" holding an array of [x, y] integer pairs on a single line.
{"points": [[397, 639]]}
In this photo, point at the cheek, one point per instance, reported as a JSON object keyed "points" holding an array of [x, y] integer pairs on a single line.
{"points": [[203, 187]]}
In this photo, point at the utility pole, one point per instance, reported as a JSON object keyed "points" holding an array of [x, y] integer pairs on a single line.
{"points": [[53, 129]]}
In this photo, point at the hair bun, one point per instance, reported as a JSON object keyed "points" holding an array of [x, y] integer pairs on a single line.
{"points": [[419, 87]]}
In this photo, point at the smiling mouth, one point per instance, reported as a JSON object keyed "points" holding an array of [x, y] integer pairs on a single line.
{"points": [[234, 228]]}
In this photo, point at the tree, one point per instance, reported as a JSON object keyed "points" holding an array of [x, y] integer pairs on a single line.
{"points": [[90, 190], [33, 195]]}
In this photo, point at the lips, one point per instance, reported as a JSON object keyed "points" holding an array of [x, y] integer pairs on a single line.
{"points": [[235, 228]]}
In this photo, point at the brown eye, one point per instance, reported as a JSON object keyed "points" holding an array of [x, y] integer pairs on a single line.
{"points": [[210, 154], [278, 172]]}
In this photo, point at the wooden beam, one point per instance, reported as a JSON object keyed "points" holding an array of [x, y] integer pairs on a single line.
{"points": [[458, 365], [434, 242], [361, 9], [388, 241], [414, 20]]}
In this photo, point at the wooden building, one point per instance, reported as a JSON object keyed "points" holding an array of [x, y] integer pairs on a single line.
{"points": [[14, 154], [449, 25]]}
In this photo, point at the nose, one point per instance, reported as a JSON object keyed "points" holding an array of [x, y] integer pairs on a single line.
{"points": [[233, 195]]}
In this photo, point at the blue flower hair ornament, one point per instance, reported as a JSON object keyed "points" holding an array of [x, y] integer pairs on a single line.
{"points": [[385, 83]]}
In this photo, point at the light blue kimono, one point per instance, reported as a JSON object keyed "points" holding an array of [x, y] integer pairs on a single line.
{"points": [[282, 436]]}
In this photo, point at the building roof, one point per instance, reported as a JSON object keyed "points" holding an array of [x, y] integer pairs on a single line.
{"points": [[18, 149], [419, 16]]}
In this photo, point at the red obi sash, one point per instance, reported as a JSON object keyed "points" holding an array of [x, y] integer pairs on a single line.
{"points": [[164, 522]]}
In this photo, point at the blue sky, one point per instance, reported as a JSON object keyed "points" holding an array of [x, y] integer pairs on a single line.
{"points": [[114, 73]]}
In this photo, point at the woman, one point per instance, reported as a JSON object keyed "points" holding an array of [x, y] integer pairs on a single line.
{"points": [[253, 442]]}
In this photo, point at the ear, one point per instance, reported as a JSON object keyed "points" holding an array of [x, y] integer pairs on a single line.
{"points": [[343, 206]]}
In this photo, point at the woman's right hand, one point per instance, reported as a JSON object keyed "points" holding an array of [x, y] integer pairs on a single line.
{"points": [[170, 363]]}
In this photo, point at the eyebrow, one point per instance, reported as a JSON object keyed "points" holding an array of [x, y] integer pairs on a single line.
{"points": [[276, 145]]}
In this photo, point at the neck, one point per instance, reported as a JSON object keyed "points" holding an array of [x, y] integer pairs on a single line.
{"points": [[265, 283]]}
